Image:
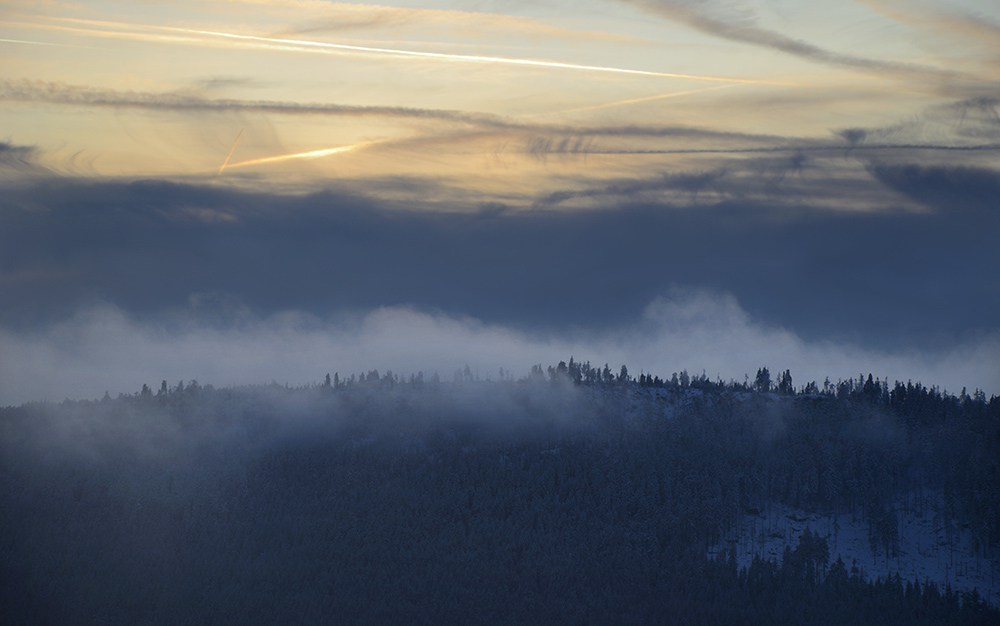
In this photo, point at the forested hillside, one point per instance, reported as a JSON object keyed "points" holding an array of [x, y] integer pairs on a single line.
{"points": [[576, 495]]}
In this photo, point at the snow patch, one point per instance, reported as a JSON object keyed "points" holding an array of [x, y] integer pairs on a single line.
{"points": [[933, 546]]}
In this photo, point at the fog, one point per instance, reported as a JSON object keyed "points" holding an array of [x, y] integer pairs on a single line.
{"points": [[103, 349]]}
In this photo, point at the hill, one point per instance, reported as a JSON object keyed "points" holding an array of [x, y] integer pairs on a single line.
{"points": [[571, 496]]}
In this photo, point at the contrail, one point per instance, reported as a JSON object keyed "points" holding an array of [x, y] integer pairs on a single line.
{"points": [[303, 45], [821, 148], [472, 58], [314, 154], [662, 96], [228, 156], [41, 43], [34, 43], [109, 34]]}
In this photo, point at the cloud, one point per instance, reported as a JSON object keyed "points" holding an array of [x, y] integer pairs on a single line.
{"points": [[341, 17], [13, 155], [102, 348], [321, 16], [689, 184], [717, 19], [946, 188], [959, 24], [975, 118], [26, 90], [890, 279], [17, 162], [968, 125], [812, 174]]}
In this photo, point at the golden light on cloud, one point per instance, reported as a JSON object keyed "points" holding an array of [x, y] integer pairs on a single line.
{"points": [[485, 102]]}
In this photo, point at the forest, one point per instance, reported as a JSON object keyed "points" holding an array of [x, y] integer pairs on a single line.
{"points": [[574, 495]]}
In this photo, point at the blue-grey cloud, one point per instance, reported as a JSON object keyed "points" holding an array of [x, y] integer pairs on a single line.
{"points": [[18, 161], [893, 278], [952, 188]]}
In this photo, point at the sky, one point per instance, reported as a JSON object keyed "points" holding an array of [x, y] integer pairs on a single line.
{"points": [[241, 191]]}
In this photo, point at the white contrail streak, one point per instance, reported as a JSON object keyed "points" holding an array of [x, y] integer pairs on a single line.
{"points": [[606, 105], [228, 156], [40, 43], [304, 45], [464, 57]]}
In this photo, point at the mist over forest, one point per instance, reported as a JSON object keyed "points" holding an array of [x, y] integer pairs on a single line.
{"points": [[575, 494]]}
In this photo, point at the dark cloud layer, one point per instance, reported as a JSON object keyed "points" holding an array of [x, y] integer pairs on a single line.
{"points": [[890, 279], [956, 188]]}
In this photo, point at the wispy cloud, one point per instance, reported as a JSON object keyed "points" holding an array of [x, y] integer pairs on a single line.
{"points": [[25, 90], [19, 161], [781, 178], [318, 17], [12, 155], [722, 21], [829, 149], [754, 163], [929, 17]]}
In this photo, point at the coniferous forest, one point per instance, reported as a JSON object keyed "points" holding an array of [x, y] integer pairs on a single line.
{"points": [[576, 495]]}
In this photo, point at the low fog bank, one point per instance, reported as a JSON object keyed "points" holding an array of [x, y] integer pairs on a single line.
{"points": [[102, 348], [189, 428]]}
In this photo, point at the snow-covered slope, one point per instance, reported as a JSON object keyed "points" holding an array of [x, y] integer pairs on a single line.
{"points": [[932, 546]]}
